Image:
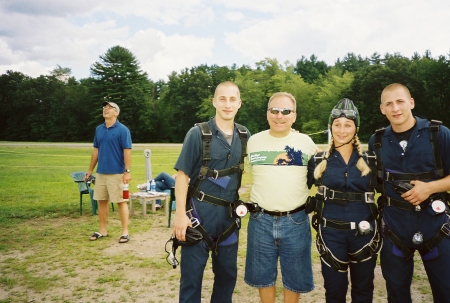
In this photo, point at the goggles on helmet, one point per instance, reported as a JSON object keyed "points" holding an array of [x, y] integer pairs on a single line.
{"points": [[347, 113]]}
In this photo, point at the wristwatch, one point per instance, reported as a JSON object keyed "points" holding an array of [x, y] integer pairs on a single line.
{"points": [[127, 171]]}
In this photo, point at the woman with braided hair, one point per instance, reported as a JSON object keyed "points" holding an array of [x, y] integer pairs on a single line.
{"points": [[345, 219]]}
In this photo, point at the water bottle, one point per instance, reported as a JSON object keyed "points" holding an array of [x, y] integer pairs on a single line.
{"points": [[148, 186], [153, 186], [126, 192]]}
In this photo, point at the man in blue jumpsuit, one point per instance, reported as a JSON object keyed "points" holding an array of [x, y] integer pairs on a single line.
{"points": [[412, 220], [225, 152]]}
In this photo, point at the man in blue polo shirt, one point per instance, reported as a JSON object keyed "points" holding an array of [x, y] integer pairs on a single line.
{"points": [[210, 198], [112, 152]]}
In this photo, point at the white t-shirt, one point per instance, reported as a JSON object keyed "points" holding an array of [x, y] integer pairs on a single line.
{"points": [[279, 168]]}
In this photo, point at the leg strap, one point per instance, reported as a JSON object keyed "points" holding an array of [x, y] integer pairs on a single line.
{"points": [[370, 249], [327, 256]]}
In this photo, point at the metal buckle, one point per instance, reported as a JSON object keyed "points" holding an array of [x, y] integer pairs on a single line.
{"points": [[446, 229], [333, 191], [202, 196], [216, 172], [195, 222], [387, 176], [369, 197], [324, 221], [388, 201], [418, 208], [321, 190]]}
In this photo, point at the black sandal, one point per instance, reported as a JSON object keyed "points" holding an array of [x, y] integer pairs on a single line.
{"points": [[126, 238], [95, 236]]}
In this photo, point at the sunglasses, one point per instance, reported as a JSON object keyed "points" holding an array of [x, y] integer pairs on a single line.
{"points": [[347, 113], [283, 111]]}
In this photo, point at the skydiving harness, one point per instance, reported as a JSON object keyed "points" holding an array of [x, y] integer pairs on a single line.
{"points": [[325, 194], [397, 178], [214, 174]]}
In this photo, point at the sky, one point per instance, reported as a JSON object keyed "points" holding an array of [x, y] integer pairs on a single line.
{"points": [[168, 36]]}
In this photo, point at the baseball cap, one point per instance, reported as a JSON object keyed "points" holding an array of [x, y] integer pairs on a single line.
{"points": [[112, 104]]}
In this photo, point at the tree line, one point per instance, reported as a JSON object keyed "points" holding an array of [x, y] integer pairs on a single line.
{"points": [[59, 108]]}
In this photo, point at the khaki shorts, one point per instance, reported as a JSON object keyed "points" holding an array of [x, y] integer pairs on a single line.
{"points": [[109, 188]]}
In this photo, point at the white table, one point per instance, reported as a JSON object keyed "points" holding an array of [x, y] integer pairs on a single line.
{"points": [[149, 198]]}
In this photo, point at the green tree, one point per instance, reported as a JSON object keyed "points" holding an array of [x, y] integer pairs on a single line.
{"points": [[10, 85], [185, 93], [117, 77], [310, 69], [352, 63]]}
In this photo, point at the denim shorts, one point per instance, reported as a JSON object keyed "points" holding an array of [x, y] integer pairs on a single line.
{"points": [[287, 238]]}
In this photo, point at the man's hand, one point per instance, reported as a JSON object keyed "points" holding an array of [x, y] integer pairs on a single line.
{"points": [[87, 176], [181, 223], [126, 178], [419, 193]]}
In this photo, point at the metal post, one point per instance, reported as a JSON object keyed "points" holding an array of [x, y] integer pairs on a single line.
{"points": [[148, 165]]}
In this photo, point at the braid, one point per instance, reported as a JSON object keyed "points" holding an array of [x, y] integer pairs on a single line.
{"points": [[361, 164], [318, 171]]}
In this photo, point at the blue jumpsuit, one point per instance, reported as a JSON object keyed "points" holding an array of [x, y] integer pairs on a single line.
{"points": [[214, 219], [344, 177], [416, 158]]}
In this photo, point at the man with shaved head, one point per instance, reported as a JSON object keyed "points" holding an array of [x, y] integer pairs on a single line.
{"points": [[413, 167], [209, 171]]}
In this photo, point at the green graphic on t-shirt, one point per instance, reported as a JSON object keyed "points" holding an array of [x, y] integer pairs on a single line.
{"points": [[289, 156]]}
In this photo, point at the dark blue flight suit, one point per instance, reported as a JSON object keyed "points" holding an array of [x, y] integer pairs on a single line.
{"points": [[344, 177], [417, 158], [214, 219]]}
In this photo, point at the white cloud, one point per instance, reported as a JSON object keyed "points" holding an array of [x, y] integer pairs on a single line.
{"points": [[168, 36], [160, 54], [331, 29], [235, 16]]}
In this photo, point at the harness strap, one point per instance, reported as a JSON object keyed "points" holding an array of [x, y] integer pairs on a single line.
{"points": [[365, 253], [404, 204], [214, 173], [443, 232], [201, 196], [327, 256], [206, 172], [343, 225], [437, 238], [319, 157], [210, 242], [369, 250], [392, 177], [407, 252], [436, 173], [434, 128], [340, 197]]}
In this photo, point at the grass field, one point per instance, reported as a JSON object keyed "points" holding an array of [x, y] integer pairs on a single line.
{"points": [[45, 254]]}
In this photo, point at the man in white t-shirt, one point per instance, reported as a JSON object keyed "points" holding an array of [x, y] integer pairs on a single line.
{"points": [[282, 166]]}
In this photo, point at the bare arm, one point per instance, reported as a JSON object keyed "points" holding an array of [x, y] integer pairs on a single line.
{"points": [[181, 221], [422, 190], [127, 159], [94, 160]]}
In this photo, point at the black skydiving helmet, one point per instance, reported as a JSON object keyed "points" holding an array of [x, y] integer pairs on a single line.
{"points": [[344, 108]]}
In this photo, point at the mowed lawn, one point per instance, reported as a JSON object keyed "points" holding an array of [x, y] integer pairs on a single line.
{"points": [[45, 255]]}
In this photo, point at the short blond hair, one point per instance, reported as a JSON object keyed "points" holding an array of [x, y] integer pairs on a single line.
{"points": [[283, 94], [227, 83], [394, 86]]}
